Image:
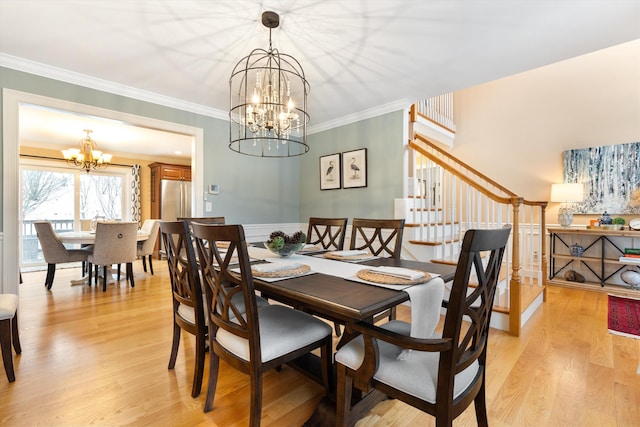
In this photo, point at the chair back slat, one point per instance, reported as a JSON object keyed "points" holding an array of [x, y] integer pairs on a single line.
{"points": [[473, 306], [327, 232], [185, 283], [235, 315], [383, 237]]}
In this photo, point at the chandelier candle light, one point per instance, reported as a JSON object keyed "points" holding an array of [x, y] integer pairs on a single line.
{"points": [[87, 157], [566, 193], [268, 103]]}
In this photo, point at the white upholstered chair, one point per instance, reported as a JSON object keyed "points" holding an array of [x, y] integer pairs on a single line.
{"points": [[55, 252], [116, 243], [145, 249]]}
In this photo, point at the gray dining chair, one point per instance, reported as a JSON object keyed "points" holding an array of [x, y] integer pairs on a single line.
{"points": [[9, 332], [116, 243], [55, 252], [145, 248]]}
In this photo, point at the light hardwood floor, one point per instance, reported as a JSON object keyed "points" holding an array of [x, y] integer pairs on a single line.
{"points": [[94, 358]]}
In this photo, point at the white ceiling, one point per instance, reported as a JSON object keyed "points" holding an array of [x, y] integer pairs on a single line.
{"points": [[358, 55]]}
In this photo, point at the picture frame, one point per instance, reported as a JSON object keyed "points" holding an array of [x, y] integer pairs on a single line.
{"points": [[354, 168], [610, 178], [330, 172]]}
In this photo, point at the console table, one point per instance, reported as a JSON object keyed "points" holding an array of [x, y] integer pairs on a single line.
{"points": [[600, 260]]}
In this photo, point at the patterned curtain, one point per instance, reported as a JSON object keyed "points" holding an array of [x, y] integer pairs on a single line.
{"points": [[135, 194]]}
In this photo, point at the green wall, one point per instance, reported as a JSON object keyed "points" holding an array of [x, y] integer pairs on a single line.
{"points": [[382, 137], [253, 190]]}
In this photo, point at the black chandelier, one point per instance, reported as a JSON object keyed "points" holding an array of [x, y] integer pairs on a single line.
{"points": [[268, 103]]}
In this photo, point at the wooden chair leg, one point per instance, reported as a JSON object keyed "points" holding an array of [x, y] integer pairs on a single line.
{"points": [[130, 274], [15, 336], [90, 269], [198, 371], [51, 272], [150, 265], [336, 327], [480, 403], [343, 396], [119, 271], [214, 364], [175, 345], [104, 278], [144, 263], [255, 409], [5, 343]]}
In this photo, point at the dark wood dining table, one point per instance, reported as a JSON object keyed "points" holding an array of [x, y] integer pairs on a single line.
{"points": [[344, 301], [337, 299]]}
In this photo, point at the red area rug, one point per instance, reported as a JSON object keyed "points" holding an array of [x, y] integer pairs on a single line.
{"points": [[624, 316]]}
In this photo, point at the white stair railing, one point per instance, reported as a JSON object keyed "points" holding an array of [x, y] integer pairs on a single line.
{"points": [[448, 197]]}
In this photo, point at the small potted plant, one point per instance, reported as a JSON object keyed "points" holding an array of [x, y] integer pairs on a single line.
{"points": [[618, 223]]}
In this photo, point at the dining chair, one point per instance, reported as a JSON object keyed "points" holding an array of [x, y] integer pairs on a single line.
{"points": [[204, 219], [116, 243], [145, 248], [443, 374], [327, 232], [188, 302], [9, 332], [55, 252], [381, 237], [255, 340]]}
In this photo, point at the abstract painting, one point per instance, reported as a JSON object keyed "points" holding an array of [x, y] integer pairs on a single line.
{"points": [[611, 175]]}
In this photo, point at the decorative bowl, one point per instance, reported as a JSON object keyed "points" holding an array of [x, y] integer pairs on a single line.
{"points": [[286, 250], [284, 245]]}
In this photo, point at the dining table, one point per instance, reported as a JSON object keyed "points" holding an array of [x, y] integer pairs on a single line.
{"points": [[88, 238], [333, 291]]}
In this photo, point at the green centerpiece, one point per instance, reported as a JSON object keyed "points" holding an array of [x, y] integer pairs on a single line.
{"points": [[284, 245]]}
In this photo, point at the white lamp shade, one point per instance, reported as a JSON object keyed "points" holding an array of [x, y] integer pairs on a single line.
{"points": [[564, 193]]}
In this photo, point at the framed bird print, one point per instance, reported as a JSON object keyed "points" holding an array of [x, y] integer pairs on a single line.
{"points": [[354, 168], [330, 172]]}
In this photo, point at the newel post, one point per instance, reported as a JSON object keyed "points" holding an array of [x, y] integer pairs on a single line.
{"points": [[515, 304]]}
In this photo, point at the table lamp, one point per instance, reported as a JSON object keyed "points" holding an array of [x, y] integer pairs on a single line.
{"points": [[566, 193]]}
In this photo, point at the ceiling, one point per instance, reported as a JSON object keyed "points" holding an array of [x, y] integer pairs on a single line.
{"points": [[358, 56]]}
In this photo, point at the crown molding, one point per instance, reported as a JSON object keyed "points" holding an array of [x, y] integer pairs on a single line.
{"points": [[61, 74], [400, 104]]}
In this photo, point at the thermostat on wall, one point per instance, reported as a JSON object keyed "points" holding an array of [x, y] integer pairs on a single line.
{"points": [[214, 189]]}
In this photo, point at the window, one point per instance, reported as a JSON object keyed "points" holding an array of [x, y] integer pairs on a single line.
{"points": [[69, 198]]}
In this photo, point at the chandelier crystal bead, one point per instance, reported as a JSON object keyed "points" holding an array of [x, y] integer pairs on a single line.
{"points": [[268, 103], [87, 157]]}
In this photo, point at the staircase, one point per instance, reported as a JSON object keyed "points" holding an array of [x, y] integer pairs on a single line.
{"points": [[446, 197]]}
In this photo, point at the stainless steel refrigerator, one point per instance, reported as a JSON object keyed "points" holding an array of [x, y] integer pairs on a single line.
{"points": [[175, 199]]}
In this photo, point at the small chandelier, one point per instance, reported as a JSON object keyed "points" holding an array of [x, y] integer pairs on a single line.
{"points": [[268, 104], [87, 157]]}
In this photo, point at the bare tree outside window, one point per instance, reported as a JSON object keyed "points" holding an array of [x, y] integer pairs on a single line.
{"points": [[101, 195], [39, 187]]}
